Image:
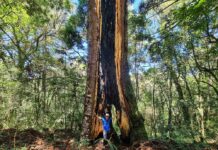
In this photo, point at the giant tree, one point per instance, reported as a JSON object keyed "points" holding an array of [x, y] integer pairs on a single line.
{"points": [[108, 82]]}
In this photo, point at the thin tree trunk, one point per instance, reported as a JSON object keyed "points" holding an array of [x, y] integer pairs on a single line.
{"points": [[136, 74], [201, 112], [170, 109], [154, 109]]}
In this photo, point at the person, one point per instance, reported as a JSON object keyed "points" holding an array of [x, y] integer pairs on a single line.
{"points": [[106, 122]]}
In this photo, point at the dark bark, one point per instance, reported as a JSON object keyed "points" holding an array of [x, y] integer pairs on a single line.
{"points": [[108, 80]]}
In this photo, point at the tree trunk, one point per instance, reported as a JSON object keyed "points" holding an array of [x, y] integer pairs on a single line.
{"points": [[169, 128], [108, 79], [184, 107], [90, 121], [154, 108]]}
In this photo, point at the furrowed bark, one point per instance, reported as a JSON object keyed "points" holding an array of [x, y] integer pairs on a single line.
{"points": [[92, 71], [108, 80], [120, 60]]}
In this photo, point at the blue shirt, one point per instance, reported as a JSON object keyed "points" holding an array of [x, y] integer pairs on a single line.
{"points": [[106, 124]]}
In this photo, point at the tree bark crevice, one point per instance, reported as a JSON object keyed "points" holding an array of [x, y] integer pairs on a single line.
{"points": [[107, 71]]}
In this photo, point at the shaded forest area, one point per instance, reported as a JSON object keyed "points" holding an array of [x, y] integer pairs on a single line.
{"points": [[153, 64]]}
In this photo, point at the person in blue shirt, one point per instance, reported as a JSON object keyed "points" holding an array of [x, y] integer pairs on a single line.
{"points": [[106, 122]]}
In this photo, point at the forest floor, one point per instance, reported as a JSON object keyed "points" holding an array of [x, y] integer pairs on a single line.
{"points": [[30, 139]]}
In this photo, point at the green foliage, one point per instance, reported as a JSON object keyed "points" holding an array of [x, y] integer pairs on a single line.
{"points": [[40, 86], [172, 56], [83, 143], [70, 33], [177, 79], [74, 32]]}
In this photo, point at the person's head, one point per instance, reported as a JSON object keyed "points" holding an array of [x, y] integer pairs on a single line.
{"points": [[107, 115]]}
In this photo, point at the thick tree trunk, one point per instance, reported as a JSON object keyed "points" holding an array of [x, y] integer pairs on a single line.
{"points": [[108, 80]]}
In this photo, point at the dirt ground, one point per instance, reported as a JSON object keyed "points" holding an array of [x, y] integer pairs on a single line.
{"points": [[31, 139]]}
